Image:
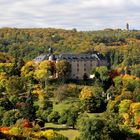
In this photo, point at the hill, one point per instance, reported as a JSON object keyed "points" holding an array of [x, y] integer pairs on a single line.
{"points": [[119, 46]]}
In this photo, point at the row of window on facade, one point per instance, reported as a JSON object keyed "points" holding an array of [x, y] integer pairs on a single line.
{"points": [[85, 65], [78, 69]]}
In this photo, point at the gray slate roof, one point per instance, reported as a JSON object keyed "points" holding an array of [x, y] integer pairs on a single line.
{"points": [[72, 57], [41, 58]]}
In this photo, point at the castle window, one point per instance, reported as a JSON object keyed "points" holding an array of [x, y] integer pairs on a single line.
{"points": [[84, 69], [85, 65], [77, 69], [77, 77]]}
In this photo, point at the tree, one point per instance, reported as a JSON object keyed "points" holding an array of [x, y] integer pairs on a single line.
{"points": [[45, 70], [69, 116], [54, 117], [10, 117], [2, 111], [103, 72], [26, 108], [136, 70], [91, 129], [85, 93], [63, 69], [43, 106], [61, 93], [3, 80], [106, 128], [124, 106], [135, 111], [28, 69], [92, 99], [14, 85], [124, 110]]}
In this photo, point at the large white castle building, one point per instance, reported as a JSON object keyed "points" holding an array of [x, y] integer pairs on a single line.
{"points": [[81, 64]]}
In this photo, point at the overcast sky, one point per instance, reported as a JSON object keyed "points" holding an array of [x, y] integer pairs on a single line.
{"points": [[68, 14]]}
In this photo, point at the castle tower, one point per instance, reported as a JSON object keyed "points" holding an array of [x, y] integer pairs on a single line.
{"points": [[51, 55], [50, 50], [127, 27]]}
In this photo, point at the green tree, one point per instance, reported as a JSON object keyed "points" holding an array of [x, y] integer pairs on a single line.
{"points": [[10, 117], [91, 129], [43, 106], [69, 116], [2, 111], [92, 99], [14, 85], [103, 73], [54, 117]]}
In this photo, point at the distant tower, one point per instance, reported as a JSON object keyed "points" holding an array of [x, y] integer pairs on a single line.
{"points": [[127, 27]]}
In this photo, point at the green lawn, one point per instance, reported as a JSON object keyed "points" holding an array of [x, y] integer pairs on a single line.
{"points": [[63, 129], [61, 106], [96, 115], [64, 104]]}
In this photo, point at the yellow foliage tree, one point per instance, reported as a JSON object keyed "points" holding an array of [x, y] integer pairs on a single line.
{"points": [[86, 93], [45, 70], [126, 118], [28, 69], [3, 79], [135, 111]]}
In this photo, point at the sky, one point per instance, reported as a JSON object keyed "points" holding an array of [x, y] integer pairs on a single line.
{"points": [[68, 14]]}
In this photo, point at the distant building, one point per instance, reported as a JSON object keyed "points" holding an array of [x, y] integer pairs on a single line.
{"points": [[81, 64], [127, 27]]}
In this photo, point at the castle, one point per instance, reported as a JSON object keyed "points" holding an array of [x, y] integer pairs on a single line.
{"points": [[81, 64]]}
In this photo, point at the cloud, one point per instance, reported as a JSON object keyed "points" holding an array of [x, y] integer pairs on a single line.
{"points": [[80, 14]]}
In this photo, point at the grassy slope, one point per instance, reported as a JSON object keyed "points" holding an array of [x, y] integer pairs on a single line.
{"points": [[70, 133], [62, 129]]}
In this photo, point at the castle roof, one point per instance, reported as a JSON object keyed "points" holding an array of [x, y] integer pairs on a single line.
{"points": [[72, 57], [41, 58]]}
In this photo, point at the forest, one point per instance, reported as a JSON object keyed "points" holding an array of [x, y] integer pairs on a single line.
{"points": [[35, 105]]}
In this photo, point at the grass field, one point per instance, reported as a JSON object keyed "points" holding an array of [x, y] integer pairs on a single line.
{"points": [[96, 115], [63, 129], [64, 105]]}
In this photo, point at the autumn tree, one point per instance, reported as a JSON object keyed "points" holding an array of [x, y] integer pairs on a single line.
{"points": [[63, 69], [14, 85], [44, 71], [28, 69], [92, 99], [43, 106]]}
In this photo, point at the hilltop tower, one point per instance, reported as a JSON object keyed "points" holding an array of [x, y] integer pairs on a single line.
{"points": [[127, 27]]}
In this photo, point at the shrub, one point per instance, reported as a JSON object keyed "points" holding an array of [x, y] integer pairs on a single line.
{"points": [[54, 117], [10, 117]]}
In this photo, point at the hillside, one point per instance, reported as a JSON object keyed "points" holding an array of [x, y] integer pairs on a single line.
{"points": [[119, 46], [36, 104]]}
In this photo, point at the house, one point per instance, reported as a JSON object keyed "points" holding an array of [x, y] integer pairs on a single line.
{"points": [[81, 64]]}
